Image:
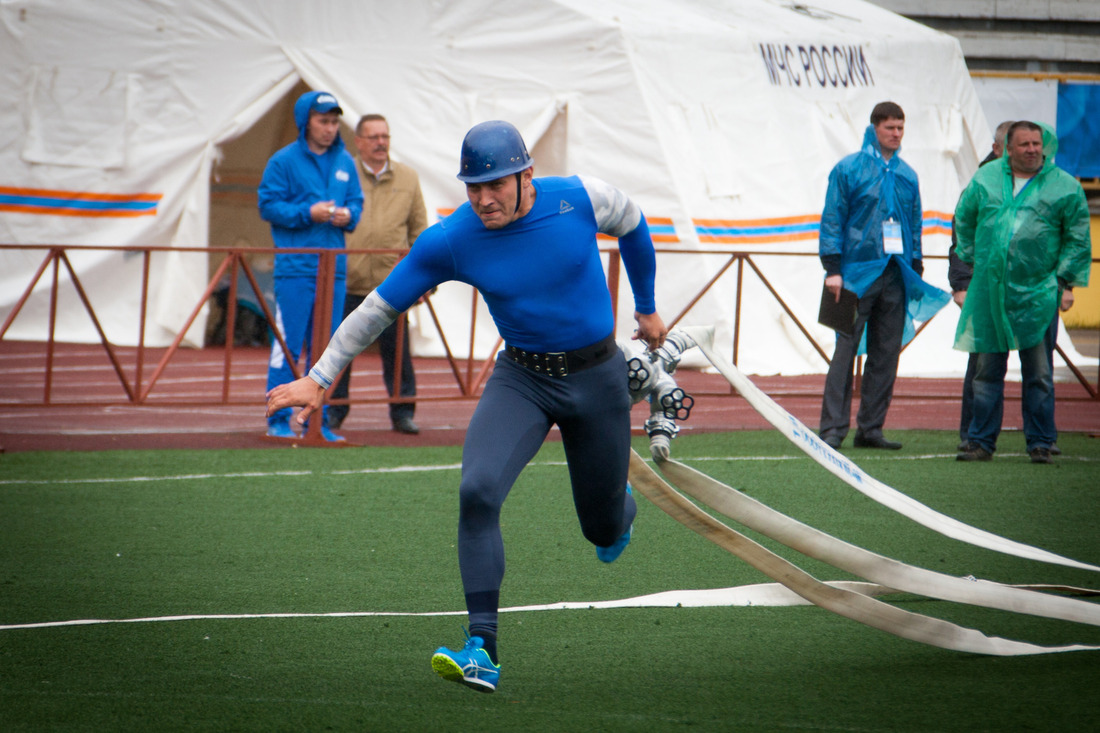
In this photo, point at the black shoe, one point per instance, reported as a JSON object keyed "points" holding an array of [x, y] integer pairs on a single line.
{"points": [[1040, 455], [962, 446], [406, 425], [1055, 450], [861, 441], [974, 452], [833, 442]]}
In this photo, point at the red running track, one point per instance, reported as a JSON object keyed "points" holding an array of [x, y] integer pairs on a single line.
{"points": [[89, 408]]}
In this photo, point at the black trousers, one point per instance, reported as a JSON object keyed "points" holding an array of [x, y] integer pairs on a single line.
{"points": [[387, 345], [513, 417], [882, 313]]}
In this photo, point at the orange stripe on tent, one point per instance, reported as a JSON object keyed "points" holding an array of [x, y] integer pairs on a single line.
{"points": [[80, 195], [939, 214], [662, 238], [54, 211], [806, 219]]}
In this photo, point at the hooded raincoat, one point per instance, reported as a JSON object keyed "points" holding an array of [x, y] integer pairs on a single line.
{"points": [[864, 191], [296, 178], [1023, 248]]}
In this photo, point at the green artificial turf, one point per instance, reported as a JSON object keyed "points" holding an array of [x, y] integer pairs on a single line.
{"points": [[150, 535]]}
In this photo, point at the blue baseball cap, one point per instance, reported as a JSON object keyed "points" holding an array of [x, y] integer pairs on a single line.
{"points": [[325, 103]]}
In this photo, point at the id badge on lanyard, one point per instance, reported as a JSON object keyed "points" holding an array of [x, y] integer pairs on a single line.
{"points": [[891, 237]]}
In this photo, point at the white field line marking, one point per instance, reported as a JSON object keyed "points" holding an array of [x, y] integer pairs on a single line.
{"points": [[761, 594], [245, 474], [440, 467]]}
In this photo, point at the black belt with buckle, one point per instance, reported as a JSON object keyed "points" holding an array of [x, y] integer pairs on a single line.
{"points": [[563, 363]]}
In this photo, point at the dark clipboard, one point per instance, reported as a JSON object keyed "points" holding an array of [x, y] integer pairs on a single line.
{"points": [[839, 316]]}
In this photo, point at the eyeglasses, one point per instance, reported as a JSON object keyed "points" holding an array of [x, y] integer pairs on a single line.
{"points": [[374, 138]]}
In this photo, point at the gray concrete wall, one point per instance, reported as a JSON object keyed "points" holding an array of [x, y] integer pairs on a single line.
{"points": [[1060, 36]]}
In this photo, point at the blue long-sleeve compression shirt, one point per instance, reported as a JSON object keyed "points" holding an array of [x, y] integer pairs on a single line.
{"points": [[541, 276]]}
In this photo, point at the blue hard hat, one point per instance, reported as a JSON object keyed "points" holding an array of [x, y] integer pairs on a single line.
{"points": [[492, 150]]}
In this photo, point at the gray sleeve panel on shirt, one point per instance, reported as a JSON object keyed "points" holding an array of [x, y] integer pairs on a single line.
{"points": [[615, 213], [357, 332]]}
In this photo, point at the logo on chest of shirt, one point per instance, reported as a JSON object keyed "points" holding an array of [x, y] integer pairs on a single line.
{"points": [[342, 176], [566, 207]]}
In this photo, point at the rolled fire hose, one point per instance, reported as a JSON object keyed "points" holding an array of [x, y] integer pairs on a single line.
{"points": [[852, 605], [855, 477]]}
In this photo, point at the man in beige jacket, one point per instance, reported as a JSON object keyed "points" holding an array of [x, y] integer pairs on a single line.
{"points": [[393, 217]]}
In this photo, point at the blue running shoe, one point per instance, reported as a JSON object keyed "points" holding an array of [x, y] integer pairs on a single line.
{"points": [[611, 553], [331, 436], [326, 433], [471, 666], [280, 428]]}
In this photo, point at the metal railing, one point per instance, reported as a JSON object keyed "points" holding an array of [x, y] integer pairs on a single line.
{"points": [[469, 372]]}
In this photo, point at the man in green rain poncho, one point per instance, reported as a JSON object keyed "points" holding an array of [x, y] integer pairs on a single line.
{"points": [[1023, 223]]}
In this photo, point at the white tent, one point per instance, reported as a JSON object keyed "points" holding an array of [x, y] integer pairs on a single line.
{"points": [[722, 119]]}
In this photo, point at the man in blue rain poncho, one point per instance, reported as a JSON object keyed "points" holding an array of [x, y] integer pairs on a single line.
{"points": [[1023, 223], [870, 244]]}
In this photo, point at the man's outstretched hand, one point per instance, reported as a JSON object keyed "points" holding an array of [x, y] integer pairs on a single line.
{"points": [[304, 393]]}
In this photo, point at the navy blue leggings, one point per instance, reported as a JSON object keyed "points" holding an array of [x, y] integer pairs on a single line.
{"points": [[512, 419]]}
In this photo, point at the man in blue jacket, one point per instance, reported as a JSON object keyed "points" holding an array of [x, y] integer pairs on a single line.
{"points": [[310, 194], [870, 244]]}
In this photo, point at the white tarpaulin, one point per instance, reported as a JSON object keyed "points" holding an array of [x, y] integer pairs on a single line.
{"points": [[1008, 98], [721, 119]]}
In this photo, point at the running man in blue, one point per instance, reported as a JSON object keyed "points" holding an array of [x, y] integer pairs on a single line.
{"points": [[529, 246]]}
